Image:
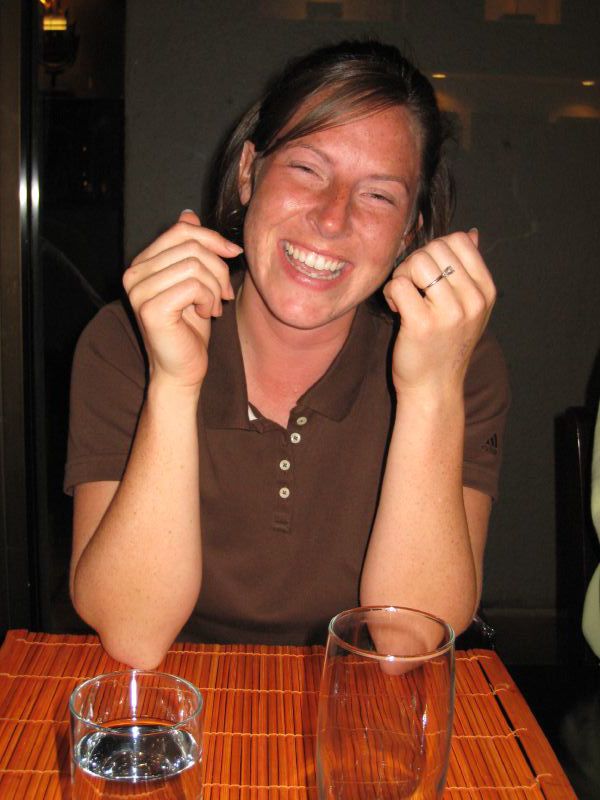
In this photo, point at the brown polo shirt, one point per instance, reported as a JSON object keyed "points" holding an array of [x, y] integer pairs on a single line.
{"points": [[286, 513]]}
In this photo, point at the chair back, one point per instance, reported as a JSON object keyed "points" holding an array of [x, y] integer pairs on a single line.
{"points": [[577, 546]]}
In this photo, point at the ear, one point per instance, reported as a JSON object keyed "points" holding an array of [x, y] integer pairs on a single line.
{"points": [[246, 172], [408, 237]]}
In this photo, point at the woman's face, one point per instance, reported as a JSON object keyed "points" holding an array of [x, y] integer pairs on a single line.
{"points": [[327, 215]]}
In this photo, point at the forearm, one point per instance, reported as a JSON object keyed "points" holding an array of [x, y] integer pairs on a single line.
{"points": [[138, 578], [420, 552]]}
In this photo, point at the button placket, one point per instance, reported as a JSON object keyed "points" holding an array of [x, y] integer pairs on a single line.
{"points": [[285, 464], [284, 469]]}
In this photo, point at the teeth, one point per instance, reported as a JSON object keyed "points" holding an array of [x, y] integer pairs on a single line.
{"points": [[313, 260]]}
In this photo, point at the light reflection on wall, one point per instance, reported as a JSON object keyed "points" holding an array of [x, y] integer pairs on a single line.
{"points": [[575, 110], [543, 12], [528, 96]]}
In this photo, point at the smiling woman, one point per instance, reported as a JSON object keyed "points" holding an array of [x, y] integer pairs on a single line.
{"points": [[341, 196], [262, 464]]}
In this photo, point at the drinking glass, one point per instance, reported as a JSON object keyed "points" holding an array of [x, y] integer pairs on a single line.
{"points": [[385, 706], [136, 734]]}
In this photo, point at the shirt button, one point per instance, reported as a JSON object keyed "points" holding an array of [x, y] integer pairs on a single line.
{"points": [[301, 421], [284, 492], [284, 464], [295, 438]]}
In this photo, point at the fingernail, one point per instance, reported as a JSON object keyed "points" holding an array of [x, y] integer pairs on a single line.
{"points": [[473, 230], [234, 248], [188, 211]]}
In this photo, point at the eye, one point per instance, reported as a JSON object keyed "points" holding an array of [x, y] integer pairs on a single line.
{"points": [[302, 167], [381, 198]]}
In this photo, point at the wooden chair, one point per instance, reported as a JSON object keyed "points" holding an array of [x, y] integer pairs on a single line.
{"points": [[577, 547]]}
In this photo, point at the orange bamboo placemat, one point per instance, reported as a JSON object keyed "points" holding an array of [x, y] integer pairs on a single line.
{"points": [[260, 715]]}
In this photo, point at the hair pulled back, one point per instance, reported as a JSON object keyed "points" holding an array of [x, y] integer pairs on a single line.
{"points": [[345, 81]]}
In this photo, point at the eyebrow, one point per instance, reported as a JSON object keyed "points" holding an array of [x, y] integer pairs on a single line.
{"points": [[325, 157]]}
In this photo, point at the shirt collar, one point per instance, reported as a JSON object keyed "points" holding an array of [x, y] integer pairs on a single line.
{"points": [[224, 392], [335, 393]]}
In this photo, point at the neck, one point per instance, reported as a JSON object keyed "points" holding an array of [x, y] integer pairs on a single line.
{"points": [[282, 362]]}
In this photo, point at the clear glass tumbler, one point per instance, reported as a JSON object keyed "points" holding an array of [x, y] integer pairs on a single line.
{"points": [[136, 734], [385, 706]]}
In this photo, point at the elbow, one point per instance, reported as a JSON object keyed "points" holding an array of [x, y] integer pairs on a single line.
{"points": [[465, 615], [126, 645], [460, 624], [135, 653]]}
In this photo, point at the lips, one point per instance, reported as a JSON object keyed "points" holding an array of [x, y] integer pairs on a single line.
{"points": [[313, 264]]}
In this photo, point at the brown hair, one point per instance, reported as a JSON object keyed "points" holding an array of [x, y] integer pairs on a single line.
{"points": [[354, 79]]}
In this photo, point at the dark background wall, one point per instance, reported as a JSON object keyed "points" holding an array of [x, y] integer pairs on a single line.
{"points": [[527, 167]]}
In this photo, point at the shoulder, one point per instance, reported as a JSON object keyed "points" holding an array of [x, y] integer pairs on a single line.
{"points": [[111, 337], [107, 390], [111, 325]]}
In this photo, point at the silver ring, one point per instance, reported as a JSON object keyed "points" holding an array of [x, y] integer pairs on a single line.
{"points": [[448, 271]]}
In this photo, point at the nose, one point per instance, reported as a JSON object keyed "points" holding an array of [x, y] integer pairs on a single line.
{"points": [[332, 211]]}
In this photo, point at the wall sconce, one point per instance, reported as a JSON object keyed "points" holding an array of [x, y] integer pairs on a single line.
{"points": [[59, 39], [540, 12]]}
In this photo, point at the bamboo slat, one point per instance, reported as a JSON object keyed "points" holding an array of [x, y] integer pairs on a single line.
{"points": [[260, 721]]}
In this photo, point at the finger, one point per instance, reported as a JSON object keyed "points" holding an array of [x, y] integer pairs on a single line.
{"points": [[454, 293], [469, 269], [187, 231], [198, 259], [461, 246], [403, 297], [474, 236], [189, 216], [455, 296], [167, 307], [459, 297], [422, 268], [181, 272]]}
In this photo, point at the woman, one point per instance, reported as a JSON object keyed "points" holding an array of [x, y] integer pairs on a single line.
{"points": [[292, 450]]}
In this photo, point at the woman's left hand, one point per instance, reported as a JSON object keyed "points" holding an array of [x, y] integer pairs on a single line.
{"points": [[440, 326]]}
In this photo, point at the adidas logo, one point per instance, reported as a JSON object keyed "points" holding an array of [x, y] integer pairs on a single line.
{"points": [[491, 445]]}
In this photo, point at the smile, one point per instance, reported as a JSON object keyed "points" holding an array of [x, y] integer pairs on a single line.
{"points": [[313, 264]]}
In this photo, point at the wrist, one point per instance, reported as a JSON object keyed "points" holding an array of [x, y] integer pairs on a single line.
{"points": [[432, 401], [164, 392]]}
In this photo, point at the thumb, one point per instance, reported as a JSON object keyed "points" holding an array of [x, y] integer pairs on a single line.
{"points": [[189, 216], [474, 236]]}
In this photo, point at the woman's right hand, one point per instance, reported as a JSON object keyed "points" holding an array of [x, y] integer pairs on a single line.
{"points": [[175, 286]]}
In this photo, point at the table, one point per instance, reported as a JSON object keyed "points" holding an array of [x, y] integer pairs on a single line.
{"points": [[260, 721]]}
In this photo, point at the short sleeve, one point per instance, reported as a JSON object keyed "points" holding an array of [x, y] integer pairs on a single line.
{"points": [[487, 398], [107, 392]]}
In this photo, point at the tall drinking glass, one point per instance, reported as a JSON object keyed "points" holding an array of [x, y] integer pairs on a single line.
{"points": [[136, 734], [385, 706]]}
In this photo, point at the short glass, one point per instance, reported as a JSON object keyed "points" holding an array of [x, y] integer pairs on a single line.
{"points": [[385, 706], [136, 734]]}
